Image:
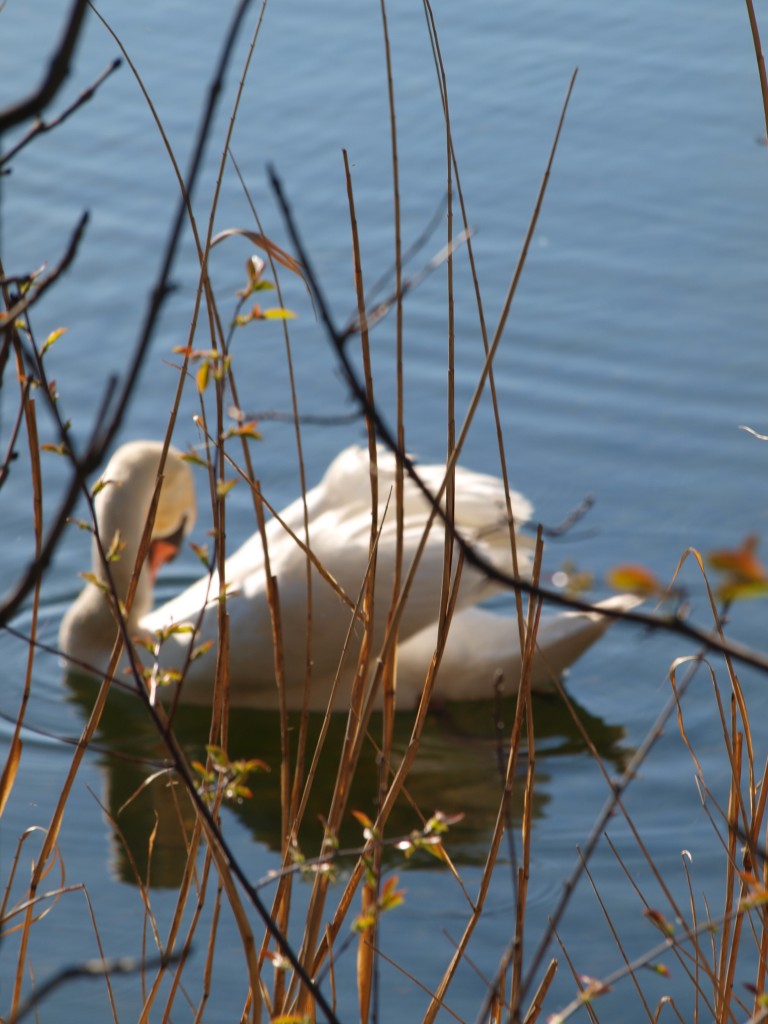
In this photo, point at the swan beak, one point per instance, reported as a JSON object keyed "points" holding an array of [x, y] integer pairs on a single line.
{"points": [[164, 549], [160, 552]]}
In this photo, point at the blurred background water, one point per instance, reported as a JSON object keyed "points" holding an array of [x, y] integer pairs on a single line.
{"points": [[635, 349]]}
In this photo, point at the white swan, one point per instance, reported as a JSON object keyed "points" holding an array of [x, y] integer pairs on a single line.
{"points": [[481, 644]]}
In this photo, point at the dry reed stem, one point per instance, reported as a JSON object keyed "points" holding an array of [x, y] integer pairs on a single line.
{"points": [[617, 940], [140, 882], [760, 60], [219, 718], [453, 174], [678, 948], [116, 418], [293, 807], [534, 1010], [11, 765], [579, 1002], [522, 715]]}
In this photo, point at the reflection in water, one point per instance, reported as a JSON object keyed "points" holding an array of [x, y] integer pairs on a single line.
{"points": [[456, 771]]}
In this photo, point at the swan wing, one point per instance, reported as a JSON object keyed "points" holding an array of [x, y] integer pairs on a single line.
{"points": [[484, 646]]}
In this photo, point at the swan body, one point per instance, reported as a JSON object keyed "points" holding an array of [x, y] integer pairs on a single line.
{"points": [[481, 644]]}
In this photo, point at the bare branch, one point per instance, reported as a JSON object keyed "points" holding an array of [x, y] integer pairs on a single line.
{"points": [[41, 127], [58, 70], [8, 317], [91, 969]]}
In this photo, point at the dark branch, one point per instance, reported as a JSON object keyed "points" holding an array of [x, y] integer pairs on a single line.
{"points": [[58, 69], [41, 127], [91, 969], [670, 624], [8, 318]]}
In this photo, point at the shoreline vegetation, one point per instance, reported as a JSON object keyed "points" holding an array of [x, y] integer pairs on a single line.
{"points": [[186, 766]]}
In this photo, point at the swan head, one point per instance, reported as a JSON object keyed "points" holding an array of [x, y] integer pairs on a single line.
{"points": [[122, 505]]}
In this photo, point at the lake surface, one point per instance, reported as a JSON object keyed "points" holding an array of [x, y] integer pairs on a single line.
{"points": [[635, 349]]}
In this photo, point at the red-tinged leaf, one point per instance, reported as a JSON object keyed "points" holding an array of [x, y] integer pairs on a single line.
{"points": [[263, 243], [636, 579], [592, 987], [749, 878], [741, 564], [362, 818], [256, 313], [391, 896], [247, 430], [200, 650], [211, 354], [660, 921]]}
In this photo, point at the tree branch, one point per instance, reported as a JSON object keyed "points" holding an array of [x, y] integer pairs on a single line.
{"points": [[58, 69]]}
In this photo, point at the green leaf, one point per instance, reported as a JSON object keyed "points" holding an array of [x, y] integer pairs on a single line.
{"points": [[82, 524], [96, 581], [278, 314], [193, 457], [115, 548], [201, 550], [100, 484], [223, 487], [52, 338]]}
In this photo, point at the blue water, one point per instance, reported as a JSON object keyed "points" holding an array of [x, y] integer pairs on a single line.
{"points": [[635, 349]]}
